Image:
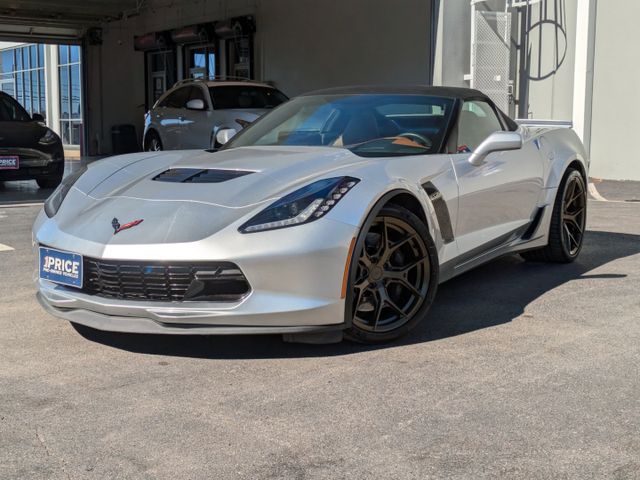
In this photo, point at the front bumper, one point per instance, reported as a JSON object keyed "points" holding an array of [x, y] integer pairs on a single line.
{"points": [[295, 274], [49, 161], [145, 325]]}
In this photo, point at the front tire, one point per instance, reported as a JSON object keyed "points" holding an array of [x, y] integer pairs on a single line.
{"points": [[152, 142], [49, 182], [568, 222], [393, 276]]}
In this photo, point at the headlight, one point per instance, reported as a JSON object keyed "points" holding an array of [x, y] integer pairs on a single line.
{"points": [[53, 203], [49, 138], [302, 206]]}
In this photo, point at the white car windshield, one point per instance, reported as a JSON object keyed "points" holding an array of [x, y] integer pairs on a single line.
{"points": [[241, 96], [366, 124]]}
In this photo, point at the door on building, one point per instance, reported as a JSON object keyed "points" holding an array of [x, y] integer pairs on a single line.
{"points": [[240, 56], [161, 73], [518, 173], [200, 61], [70, 84]]}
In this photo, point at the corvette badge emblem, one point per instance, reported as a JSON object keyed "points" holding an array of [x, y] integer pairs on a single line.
{"points": [[117, 228]]}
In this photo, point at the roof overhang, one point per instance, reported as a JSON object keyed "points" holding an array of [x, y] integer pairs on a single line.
{"points": [[60, 20]]}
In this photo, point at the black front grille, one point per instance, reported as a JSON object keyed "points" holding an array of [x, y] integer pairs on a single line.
{"points": [[160, 281]]}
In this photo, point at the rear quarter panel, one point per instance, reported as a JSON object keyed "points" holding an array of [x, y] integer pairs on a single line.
{"points": [[559, 147]]}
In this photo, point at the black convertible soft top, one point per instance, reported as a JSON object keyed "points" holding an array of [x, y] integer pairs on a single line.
{"points": [[449, 92]]}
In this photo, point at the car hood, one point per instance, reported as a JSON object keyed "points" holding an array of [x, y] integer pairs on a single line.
{"points": [[267, 172], [175, 212], [21, 134]]}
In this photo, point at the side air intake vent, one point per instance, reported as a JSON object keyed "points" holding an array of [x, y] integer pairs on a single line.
{"points": [[442, 212], [197, 175]]}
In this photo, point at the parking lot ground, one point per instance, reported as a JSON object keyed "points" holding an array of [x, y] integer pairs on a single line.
{"points": [[625, 191], [523, 371]]}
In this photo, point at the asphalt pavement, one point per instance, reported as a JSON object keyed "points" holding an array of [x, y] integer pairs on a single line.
{"points": [[523, 371]]}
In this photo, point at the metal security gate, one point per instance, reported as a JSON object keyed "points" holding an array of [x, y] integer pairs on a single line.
{"points": [[491, 56]]}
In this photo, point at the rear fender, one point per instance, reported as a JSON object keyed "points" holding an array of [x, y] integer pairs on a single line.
{"points": [[565, 148]]}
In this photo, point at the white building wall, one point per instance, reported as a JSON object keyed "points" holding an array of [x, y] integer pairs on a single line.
{"points": [[551, 88], [453, 43], [52, 87], [552, 46], [616, 97]]}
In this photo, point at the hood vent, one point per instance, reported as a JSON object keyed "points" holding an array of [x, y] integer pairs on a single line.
{"points": [[197, 175]]}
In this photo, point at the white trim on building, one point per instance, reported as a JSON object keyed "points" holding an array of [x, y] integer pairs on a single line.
{"points": [[583, 76]]}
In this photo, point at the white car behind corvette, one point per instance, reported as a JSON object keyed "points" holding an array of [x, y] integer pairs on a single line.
{"points": [[190, 114], [338, 213]]}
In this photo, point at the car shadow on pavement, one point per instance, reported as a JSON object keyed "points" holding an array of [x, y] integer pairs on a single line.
{"points": [[490, 295]]}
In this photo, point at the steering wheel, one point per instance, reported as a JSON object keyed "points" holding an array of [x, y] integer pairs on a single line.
{"points": [[424, 141]]}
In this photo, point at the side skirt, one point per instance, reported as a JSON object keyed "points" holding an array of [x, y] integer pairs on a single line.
{"points": [[511, 242]]}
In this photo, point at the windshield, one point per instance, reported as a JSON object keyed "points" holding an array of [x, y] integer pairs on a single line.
{"points": [[245, 96], [368, 125]]}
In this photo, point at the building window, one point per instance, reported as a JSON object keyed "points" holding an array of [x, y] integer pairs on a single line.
{"points": [[160, 73], [22, 77], [240, 56], [201, 61], [69, 68]]}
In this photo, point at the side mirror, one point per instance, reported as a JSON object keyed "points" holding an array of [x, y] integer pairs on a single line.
{"points": [[195, 104], [36, 117], [224, 135], [496, 142]]}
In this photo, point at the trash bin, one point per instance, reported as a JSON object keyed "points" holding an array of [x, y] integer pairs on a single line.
{"points": [[124, 139]]}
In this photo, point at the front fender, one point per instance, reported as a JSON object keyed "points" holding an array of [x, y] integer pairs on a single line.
{"points": [[368, 198]]}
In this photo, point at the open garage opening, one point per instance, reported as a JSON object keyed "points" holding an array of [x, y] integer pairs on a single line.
{"points": [[132, 51], [46, 79]]}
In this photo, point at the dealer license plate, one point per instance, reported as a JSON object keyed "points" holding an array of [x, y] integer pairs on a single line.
{"points": [[9, 163], [61, 267]]}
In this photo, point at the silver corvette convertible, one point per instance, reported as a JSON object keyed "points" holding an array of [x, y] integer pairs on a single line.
{"points": [[337, 214]]}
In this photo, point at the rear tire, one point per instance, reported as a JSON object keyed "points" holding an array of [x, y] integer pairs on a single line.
{"points": [[568, 221], [152, 142], [393, 277]]}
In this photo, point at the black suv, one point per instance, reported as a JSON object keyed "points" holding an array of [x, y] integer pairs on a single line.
{"points": [[28, 149]]}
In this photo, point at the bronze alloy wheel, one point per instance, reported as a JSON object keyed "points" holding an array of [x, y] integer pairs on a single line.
{"points": [[393, 275], [574, 208], [568, 222]]}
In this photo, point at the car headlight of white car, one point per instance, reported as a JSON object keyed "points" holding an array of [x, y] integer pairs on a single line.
{"points": [[52, 204], [305, 205]]}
